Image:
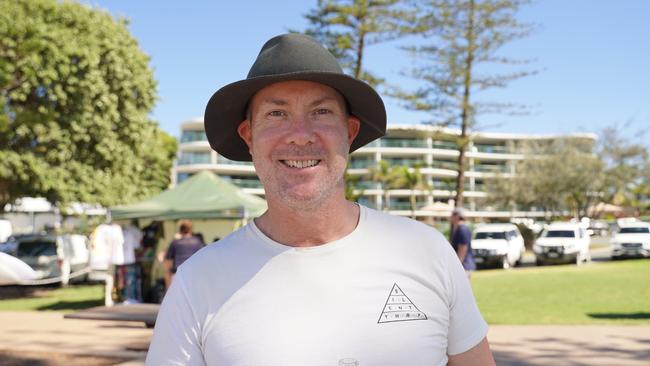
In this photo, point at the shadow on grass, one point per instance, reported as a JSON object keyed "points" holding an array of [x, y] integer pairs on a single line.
{"points": [[16, 292], [72, 305], [633, 316]]}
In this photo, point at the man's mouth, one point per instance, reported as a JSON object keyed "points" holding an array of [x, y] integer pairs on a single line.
{"points": [[300, 164]]}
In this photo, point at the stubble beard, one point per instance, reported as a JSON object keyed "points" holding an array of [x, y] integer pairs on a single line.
{"points": [[286, 192]]}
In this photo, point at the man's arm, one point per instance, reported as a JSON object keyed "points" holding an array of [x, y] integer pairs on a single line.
{"points": [[479, 355], [462, 251]]}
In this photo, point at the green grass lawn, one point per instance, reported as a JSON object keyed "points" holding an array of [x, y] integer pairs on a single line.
{"points": [[599, 293], [51, 298]]}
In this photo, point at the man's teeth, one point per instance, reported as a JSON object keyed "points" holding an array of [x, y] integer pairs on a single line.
{"points": [[301, 163]]}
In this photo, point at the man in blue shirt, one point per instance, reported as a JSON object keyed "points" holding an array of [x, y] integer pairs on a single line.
{"points": [[461, 240]]}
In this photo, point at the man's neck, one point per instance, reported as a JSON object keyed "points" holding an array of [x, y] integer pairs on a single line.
{"points": [[306, 228]]}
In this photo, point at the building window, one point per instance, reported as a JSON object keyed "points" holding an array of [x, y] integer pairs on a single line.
{"points": [[494, 149], [190, 136], [491, 167], [403, 142], [225, 161], [243, 181], [361, 162], [180, 177], [445, 164], [194, 157], [444, 145], [409, 162]]}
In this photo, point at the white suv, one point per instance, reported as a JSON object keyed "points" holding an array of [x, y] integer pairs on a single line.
{"points": [[562, 242], [497, 244], [632, 240]]}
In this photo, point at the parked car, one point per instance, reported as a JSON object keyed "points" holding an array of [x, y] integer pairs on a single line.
{"points": [[5, 230], [497, 245], [631, 240], [562, 242], [53, 255]]}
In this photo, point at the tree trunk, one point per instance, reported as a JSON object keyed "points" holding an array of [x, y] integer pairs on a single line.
{"points": [[465, 112], [360, 46]]}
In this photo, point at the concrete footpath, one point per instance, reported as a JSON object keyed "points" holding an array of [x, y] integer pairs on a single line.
{"points": [[47, 333]]}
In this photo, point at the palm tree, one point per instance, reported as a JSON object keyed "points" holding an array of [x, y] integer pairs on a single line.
{"points": [[411, 179], [383, 174]]}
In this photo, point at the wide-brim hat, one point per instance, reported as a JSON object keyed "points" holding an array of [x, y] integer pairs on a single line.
{"points": [[283, 58]]}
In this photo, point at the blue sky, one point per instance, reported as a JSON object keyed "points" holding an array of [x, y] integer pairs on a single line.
{"points": [[594, 56]]}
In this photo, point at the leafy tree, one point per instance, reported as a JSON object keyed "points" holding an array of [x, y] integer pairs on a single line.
{"points": [[347, 27], [458, 37], [626, 170], [384, 175], [555, 175], [75, 94]]}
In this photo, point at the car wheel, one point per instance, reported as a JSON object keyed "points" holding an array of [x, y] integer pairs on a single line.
{"points": [[505, 263]]}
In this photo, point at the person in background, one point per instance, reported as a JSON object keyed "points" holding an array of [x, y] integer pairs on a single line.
{"points": [[461, 240], [180, 250]]}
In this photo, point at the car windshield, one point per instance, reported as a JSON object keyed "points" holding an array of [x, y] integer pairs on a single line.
{"points": [[36, 248], [634, 230], [491, 235], [560, 234]]}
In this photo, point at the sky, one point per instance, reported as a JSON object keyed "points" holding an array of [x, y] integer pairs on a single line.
{"points": [[592, 57]]}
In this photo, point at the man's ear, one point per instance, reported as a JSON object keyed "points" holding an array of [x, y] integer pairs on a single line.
{"points": [[244, 131], [354, 125]]}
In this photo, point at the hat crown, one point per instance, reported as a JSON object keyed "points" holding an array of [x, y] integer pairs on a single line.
{"points": [[293, 53]]}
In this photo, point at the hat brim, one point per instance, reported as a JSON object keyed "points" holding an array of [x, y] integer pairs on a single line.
{"points": [[226, 109]]}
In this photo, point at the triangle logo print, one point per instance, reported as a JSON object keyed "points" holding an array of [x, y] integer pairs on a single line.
{"points": [[399, 308]]}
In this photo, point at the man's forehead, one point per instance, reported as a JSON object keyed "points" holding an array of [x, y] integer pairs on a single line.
{"points": [[283, 93]]}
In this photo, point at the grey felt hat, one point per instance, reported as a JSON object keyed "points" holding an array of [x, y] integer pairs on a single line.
{"points": [[282, 58]]}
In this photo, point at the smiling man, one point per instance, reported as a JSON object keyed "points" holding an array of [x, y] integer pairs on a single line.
{"points": [[315, 280]]}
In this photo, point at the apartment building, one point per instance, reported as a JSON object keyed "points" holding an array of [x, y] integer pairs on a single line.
{"points": [[430, 148]]}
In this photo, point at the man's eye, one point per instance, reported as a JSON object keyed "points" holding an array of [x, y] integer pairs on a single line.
{"points": [[322, 111], [277, 114]]}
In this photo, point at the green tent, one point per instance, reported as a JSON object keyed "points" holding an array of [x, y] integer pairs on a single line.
{"points": [[202, 196]]}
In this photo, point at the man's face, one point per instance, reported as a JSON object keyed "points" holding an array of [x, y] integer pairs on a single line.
{"points": [[455, 219], [299, 135]]}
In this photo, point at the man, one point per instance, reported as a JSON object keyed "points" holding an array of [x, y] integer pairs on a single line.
{"points": [[181, 249], [461, 240], [316, 280]]}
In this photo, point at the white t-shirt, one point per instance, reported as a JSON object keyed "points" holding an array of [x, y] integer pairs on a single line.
{"points": [[392, 292]]}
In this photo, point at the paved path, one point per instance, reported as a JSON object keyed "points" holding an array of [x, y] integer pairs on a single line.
{"points": [[48, 332], [570, 345], [512, 345]]}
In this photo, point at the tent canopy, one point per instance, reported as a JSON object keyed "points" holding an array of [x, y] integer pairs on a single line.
{"points": [[202, 196]]}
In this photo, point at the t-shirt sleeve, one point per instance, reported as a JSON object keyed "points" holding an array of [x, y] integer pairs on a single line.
{"points": [[464, 236], [176, 338], [466, 324]]}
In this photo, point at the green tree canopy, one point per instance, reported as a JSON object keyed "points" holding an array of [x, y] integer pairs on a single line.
{"points": [[459, 39], [347, 27], [75, 94]]}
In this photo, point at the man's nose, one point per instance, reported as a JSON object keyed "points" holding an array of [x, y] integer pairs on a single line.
{"points": [[301, 131]]}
